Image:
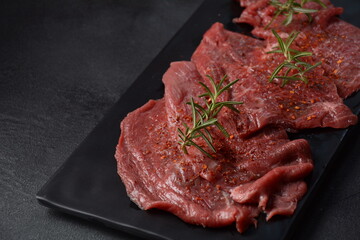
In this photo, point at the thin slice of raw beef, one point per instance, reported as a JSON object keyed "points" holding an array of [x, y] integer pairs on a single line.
{"points": [[333, 41], [295, 106], [246, 176], [260, 13], [156, 175]]}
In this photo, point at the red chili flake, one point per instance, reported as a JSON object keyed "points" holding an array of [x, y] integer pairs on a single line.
{"points": [[187, 118], [311, 117], [231, 136], [297, 107]]}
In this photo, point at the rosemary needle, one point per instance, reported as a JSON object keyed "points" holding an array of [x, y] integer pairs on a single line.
{"points": [[292, 63], [204, 117], [291, 7]]}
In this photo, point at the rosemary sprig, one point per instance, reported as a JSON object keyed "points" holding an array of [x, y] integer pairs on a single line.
{"points": [[290, 7], [204, 117], [292, 62]]}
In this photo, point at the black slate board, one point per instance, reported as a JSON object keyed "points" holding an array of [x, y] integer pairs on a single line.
{"points": [[87, 184]]}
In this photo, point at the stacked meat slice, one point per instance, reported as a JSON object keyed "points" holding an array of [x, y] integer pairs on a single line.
{"points": [[257, 169], [263, 172], [295, 106], [333, 41]]}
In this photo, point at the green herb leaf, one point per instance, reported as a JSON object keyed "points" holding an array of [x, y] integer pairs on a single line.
{"points": [[290, 7], [204, 117], [304, 10], [292, 62]]}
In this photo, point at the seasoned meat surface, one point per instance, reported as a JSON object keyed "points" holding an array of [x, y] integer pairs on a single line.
{"points": [[257, 169], [333, 41], [295, 106], [230, 187]]}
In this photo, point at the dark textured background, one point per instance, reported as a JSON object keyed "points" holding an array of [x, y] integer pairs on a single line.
{"points": [[48, 106]]}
